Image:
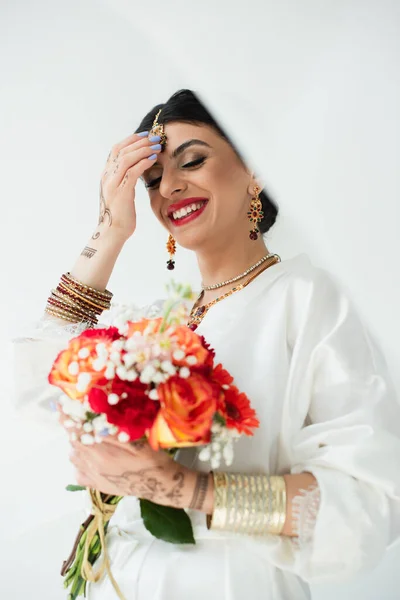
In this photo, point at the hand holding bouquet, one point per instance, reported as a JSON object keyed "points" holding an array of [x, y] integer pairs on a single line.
{"points": [[135, 389]]}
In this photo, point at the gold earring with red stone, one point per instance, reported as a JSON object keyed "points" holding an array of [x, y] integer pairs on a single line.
{"points": [[171, 249], [255, 213]]}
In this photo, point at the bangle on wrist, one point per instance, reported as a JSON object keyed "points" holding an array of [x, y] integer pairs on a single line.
{"points": [[251, 504]]}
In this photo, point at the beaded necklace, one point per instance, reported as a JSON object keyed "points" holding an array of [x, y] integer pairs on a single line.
{"points": [[197, 314]]}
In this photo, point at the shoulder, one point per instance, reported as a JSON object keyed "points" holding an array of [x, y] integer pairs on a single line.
{"points": [[317, 303], [309, 286]]}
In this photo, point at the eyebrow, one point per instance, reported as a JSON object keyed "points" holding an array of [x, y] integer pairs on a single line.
{"points": [[180, 149], [188, 144]]}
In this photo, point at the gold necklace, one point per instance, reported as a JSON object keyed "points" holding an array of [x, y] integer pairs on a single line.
{"points": [[197, 314]]}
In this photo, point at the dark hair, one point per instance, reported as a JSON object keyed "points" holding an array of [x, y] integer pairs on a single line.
{"points": [[184, 106]]}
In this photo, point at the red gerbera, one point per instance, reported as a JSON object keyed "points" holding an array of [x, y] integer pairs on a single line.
{"points": [[237, 412]]}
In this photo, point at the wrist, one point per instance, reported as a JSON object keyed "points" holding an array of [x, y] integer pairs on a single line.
{"points": [[112, 236]]}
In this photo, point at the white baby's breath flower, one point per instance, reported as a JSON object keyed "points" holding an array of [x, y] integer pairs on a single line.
{"points": [[129, 359], [73, 368], [117, 345], [109, 372], [215, 460], [83, 381], [87, 427], [191, 360], [227, 453], [178, 354], [101, 349], [131, 375], [168, 367], [99, 423], [147, 374], [72, 408], [153, 394], [83, 353], [113, 399], [159, 377], [123, 437], [124, 395], [184, 372], [122, 373], [69, 423], [226, 386], [205, 454], [87, 439], [99, 363], [73, 437], [115, 357]]}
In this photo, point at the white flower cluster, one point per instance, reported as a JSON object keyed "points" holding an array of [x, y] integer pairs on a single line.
{"points": [[220, 447], [88, 430]]}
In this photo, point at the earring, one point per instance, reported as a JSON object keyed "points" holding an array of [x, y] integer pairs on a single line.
{"points": [[171, 249], [255, 213]]}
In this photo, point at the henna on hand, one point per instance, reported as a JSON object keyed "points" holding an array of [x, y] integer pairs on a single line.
{"points": [[105, 213], [150, 484]]}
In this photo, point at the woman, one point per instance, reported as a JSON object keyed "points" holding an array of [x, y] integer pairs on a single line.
{"points": [[326, 449]]}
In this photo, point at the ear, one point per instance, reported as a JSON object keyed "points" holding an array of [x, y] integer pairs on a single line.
{"points": [[252, 184]]}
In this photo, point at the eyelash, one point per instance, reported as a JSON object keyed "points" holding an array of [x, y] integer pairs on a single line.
{"points": [[189, 165]]}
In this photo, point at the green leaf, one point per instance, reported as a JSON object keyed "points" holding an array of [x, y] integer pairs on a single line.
{"points": [[75, 488], [166, 523]]}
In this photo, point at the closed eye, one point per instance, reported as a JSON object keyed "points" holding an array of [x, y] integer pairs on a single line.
{"points": [[190, 165], [194, 163]]}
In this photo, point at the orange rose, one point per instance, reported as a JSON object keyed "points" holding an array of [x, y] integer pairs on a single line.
{"points": [[141, 325], [78, 358], [187, 410], [192, 345]]}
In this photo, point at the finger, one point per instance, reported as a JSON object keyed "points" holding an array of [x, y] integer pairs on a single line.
{"points": [[83, 479], [136, 163], [136, 171], [134, 137]]}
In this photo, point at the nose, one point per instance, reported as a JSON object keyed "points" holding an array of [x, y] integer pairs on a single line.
{"points": [[171, 184]]}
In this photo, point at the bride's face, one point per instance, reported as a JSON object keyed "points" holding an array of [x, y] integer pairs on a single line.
{"points": [[199, 172]]}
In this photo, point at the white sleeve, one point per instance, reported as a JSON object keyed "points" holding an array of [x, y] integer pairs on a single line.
{"points": [[351, 443]]}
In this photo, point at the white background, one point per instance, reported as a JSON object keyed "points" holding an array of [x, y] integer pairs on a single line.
{"points": [[310, 89]]}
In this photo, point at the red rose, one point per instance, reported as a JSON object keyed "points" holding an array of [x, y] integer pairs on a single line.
{"points": [[133, 414]]}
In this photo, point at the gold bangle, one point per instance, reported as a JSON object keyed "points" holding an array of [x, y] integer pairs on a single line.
{"points": [[57, 303], [251, 504], [106, 294], [65, 299], [67, 316], [85, 299]]}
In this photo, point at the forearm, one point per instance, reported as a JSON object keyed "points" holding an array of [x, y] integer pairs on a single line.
{"points": [[198, 493], [93, 268], [96, 262]]}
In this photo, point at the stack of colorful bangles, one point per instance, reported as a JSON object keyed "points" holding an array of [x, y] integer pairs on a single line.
{"points": [[74, 301]]}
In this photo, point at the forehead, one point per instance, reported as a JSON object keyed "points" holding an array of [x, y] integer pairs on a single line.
{"points": [[179, 133]]}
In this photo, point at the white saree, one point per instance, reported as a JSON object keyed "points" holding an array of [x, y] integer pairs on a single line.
{"points": [[296, 346]]}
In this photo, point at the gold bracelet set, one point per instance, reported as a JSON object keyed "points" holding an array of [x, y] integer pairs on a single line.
{"points": [[251, 504], [74, 301]]}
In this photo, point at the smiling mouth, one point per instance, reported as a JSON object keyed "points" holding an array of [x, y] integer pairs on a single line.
{"points": [[191, 209]]}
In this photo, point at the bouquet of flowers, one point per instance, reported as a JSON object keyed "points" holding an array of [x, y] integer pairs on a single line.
{"points": [[152, 379]]}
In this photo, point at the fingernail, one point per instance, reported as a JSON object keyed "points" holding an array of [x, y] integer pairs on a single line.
{"points": [[143, 134], [155, 138], [156, 147], [153, 157]]}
